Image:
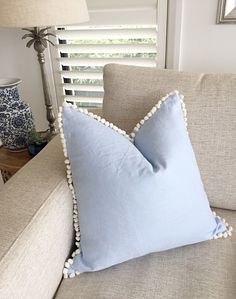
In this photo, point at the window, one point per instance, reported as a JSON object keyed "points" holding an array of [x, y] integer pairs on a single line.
{"points": [[113, 36]]}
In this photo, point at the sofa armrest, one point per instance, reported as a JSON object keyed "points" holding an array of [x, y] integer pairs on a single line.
{"points": [[36, 228]]}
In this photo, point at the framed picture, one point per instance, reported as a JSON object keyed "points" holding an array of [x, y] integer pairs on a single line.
{"points": [[226, 12]]}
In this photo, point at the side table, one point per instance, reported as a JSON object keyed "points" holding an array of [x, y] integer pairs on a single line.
{"points": [[11, 162]]}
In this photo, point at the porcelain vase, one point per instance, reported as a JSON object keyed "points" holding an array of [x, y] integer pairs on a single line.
{"points": [[16, 120]]}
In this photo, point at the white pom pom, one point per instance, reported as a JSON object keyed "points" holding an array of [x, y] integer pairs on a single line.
{"points": [[225, 234], [142, 121], [70, 261], [132, 134], [65, 271], [146, 117], [154, 109], [67, 265], [72, 275]]}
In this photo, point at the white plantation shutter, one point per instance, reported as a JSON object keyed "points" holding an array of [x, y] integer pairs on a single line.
{"points": [[82, 51]]}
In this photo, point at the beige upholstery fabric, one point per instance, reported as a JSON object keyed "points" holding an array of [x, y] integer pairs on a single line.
{"points": [[131, 91], [35, 227], [201, 271]]}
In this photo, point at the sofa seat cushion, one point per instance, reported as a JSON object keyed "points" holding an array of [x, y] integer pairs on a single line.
{"points": [[202, 271]]}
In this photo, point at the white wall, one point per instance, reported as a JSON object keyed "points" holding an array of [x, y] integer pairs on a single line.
{"points": [[205, 46], [18, 61]]}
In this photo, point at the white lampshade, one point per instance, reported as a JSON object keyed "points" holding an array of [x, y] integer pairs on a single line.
{"points": [[41, 13]]}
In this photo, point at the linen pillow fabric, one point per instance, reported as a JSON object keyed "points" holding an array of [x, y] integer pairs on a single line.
{"points": [[135, 194]]}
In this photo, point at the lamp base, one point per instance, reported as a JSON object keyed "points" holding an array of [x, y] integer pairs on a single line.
{"points": [[39, 38]]}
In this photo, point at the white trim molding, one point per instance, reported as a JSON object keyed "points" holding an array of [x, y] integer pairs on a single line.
{"points": [[174, 34]]}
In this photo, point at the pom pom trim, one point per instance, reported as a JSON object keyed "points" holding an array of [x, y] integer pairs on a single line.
{"points": [[227, 232]]}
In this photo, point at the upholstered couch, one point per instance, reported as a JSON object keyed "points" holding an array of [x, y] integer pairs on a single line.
{"points": [[36, 231]]}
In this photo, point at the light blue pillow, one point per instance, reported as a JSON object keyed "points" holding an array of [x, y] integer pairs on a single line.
{"points": [[134, 194]]}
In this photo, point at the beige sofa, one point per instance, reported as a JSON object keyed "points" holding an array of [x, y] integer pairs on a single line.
{"points": [[36, 232]]}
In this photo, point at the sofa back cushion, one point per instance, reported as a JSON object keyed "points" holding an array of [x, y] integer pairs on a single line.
{"points": [[130, 92]]}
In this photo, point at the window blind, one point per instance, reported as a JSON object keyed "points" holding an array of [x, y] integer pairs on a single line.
{"points": [[83, 51], [126, 36]]}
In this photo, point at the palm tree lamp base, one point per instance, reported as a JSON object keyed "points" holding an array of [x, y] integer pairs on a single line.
{"points": [[39, 38]]}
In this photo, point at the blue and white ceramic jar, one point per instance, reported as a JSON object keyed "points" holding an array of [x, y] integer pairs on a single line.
{"points": [[16, 120]]}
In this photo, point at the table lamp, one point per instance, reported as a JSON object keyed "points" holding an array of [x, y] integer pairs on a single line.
{"points": [[37, 16]]}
